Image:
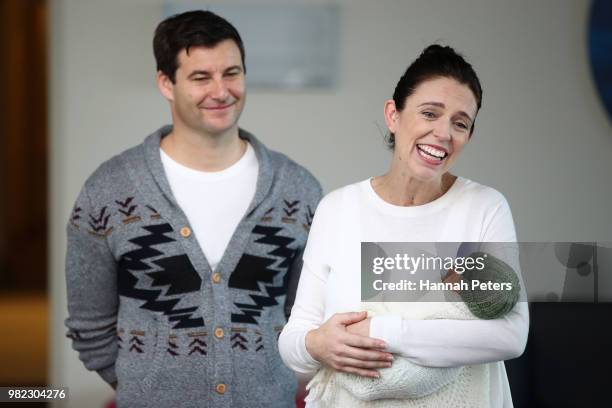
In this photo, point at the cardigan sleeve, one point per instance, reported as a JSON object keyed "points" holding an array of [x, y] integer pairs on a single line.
{"points": [[91, 283], [297, 265], [449, 343]]}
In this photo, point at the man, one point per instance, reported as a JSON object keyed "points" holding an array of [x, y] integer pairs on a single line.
{"points": [[181, 249]]}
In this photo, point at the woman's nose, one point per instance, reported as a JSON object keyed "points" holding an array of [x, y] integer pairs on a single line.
{"points": [[442, 130]]}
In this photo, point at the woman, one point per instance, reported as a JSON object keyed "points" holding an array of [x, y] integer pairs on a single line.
{"points": [[430, 119]]}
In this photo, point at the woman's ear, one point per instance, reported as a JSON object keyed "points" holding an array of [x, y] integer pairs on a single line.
{"points": [[165, 86], [391, 115]]}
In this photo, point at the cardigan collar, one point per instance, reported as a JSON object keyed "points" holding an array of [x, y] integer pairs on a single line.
{"points": [[265, 176]]}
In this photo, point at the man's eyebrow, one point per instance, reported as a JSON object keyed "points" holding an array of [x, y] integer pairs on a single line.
{"points": [[441, 105], [207, 73], [233, 67]]}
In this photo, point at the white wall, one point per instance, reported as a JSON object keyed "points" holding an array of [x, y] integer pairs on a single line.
{"points": [[542, 137]]}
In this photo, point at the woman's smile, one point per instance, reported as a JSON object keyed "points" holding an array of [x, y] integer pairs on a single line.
{"points": [[434, 155]]}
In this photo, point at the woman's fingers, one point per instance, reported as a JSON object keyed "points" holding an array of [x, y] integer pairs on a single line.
{"points": [[359, 353], [332, 345], [359, 371], [356, 340], [356, 363], [349, 317]]}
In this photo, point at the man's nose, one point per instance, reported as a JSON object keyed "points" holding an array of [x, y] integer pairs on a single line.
{"points": [[219, 90]]}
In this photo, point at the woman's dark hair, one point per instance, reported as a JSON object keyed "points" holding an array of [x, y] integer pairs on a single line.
{"points": [[185, 30], [435, 61]]}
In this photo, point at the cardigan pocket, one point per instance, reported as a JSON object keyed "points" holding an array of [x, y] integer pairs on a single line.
{"points": [[160, 327], [281, 375]]}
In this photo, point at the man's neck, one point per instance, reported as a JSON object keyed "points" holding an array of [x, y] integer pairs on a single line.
{"points": [[204, 152]]}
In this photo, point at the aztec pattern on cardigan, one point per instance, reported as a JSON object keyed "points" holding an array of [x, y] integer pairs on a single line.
{"points": [[144, 309]]}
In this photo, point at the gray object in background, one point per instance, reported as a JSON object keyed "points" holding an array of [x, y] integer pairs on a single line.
{"points": [[287, 46]]}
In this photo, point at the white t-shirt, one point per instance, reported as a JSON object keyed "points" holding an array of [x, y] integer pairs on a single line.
{"points": [[214, 202], [330, 281]]}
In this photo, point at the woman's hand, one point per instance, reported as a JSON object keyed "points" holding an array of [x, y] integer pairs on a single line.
{"points": [[362, 328], [335, 346]]}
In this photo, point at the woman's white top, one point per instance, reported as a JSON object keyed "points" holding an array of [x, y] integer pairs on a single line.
{"points": [[330, 281]]}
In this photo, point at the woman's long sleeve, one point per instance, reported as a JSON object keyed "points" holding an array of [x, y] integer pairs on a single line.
{"points": [[451, 343], [306, 315], [309, 307]]}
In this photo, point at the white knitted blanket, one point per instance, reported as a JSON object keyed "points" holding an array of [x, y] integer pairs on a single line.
{"points": [[406, 384]]}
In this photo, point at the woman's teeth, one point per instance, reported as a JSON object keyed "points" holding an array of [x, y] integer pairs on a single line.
{"points": [[432, 152]]}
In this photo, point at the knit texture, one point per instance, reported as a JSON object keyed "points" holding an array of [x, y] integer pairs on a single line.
{"points": [[405, 384], [468, 390], [403, 380], [147, 310], [490, 304]]}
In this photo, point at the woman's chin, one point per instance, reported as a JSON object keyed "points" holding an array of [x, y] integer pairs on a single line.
{"points": [[426, 170], [427, 174]]}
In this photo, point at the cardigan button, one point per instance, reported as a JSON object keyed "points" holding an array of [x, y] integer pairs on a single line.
{"points": [[220, 388], [219, 333], [185, 232], [216, 277]]}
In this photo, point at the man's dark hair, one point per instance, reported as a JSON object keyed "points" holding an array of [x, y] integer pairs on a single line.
{"points": [[185, 30], [435, 61]]}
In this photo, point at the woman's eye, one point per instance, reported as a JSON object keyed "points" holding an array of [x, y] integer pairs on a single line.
{"points": [[429, 114], [461, 125]]}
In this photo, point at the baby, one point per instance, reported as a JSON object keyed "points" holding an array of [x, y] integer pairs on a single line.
{"points": [[406, 380]]}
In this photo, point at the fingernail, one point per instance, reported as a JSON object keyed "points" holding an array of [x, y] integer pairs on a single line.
{"points": [[382, 344], [390, 358]]}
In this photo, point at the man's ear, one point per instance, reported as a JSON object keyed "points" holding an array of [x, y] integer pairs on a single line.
{"points": [[391, 115], [165, 86]]}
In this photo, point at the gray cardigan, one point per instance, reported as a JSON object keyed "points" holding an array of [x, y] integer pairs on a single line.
{"points": [[145, 308]]}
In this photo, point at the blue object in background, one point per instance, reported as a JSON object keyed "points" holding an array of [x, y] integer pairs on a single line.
{"points": [[600, 49]]}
